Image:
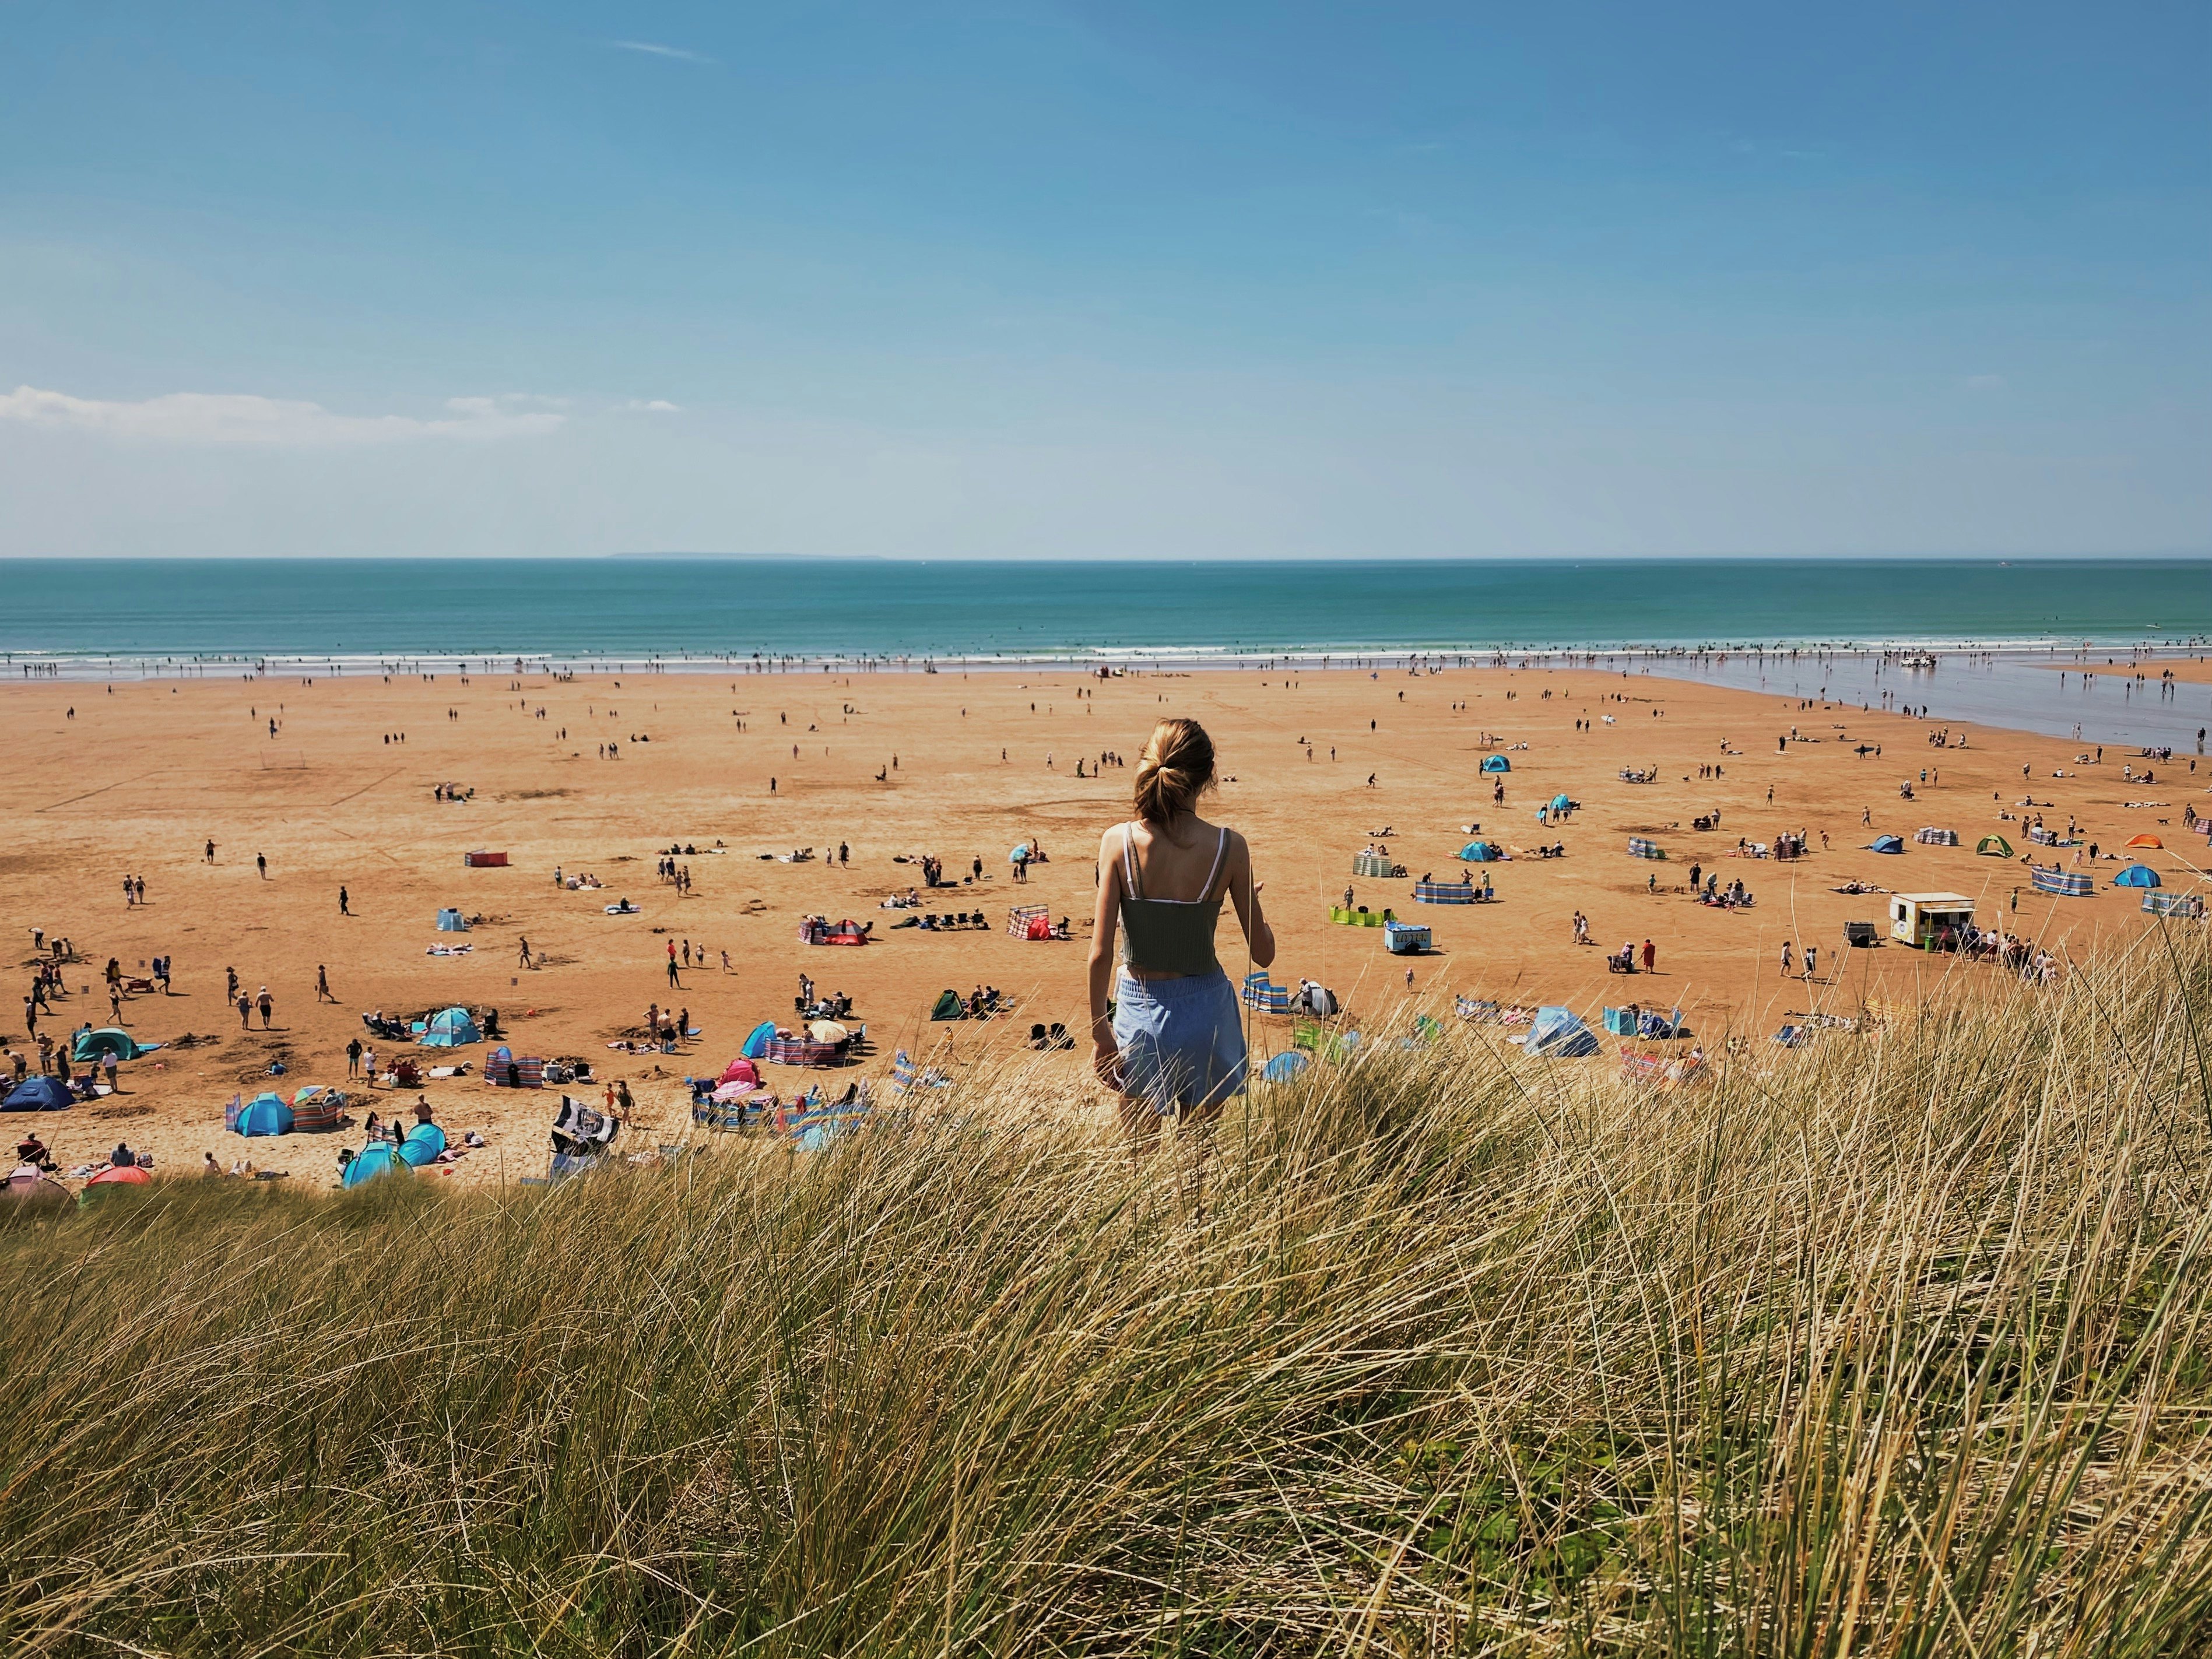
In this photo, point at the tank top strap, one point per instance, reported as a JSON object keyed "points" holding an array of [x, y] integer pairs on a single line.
{"points": [[1129, 860], [1220, 854]]}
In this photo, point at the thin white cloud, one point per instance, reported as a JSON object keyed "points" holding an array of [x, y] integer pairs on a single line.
{"points": [[648, 406], [654, 49], [1985, 382], [241, 418]]}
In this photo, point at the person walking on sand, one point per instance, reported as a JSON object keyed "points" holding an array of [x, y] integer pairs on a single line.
{"points": [[345, 902], [323, 984], [353, 1058], [261, 863], [211, 852], [522, 952], [1173, 1044], [244, 1012], [266, 1003], [1785, 958], [1651, 956]]}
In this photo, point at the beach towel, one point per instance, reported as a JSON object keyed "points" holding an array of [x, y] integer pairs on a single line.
{"points": [[1638, 848]]}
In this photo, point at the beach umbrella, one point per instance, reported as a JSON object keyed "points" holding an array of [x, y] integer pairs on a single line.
{"points": [[828, 1030], [1019, 853], [2147, 841]]}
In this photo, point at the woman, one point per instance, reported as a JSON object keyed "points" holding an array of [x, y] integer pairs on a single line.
{"points": [[1173, 1042]]}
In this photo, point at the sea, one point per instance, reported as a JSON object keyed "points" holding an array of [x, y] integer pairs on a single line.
{"points": [[1998, 631]]}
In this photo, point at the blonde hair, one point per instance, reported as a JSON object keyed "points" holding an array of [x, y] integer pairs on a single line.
{"points": [[1176, 769]]}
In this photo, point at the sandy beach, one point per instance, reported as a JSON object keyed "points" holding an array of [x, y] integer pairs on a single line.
{"points": [[344, 793]]}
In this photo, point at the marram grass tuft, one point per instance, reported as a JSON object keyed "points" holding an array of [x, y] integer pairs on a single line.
{"points": [[1890, 1346]]}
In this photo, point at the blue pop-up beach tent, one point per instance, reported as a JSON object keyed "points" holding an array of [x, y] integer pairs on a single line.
{"points": [[755, 1047], [264, 1115], [424, 1144], [450, 1028], [1885, 844], [1558, 1034], [38, 1094], [2137, 875], [451, 921], [1496, 763], [371, 1161], [1478, 852]]}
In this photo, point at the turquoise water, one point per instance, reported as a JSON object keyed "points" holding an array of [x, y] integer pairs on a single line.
{"points": [[612, 608], [1682, 618]]}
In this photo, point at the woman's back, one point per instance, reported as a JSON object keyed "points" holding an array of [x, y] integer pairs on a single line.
{"points": [[1171, 893], [1181, 863]]}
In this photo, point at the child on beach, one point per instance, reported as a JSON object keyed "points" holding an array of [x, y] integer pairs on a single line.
{"points": [[1173, 1042]]}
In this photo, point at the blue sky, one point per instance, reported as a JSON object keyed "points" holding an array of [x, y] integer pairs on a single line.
{"points": [[1021, 280]]}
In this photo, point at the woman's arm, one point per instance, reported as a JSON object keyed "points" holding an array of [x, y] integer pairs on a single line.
{"points": [[1105, 1056], [1244, 893]]}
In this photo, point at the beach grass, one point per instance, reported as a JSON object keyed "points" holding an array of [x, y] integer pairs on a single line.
{"points": [[1890, 1345]]}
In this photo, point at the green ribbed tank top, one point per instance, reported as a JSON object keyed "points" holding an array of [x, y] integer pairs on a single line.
{"points": [[1168, 936]]}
